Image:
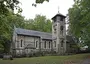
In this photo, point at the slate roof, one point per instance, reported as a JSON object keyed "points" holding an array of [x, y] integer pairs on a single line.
{"points": [[43, 35], [59, 14]]}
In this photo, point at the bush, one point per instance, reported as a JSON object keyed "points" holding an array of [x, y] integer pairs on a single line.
{"points": [[1, 55], [7, 56], [36, 54]]}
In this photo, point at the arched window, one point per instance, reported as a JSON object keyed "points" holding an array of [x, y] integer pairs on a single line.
{"points": [[45, 44], [36, 44], [61, 18], [62, 43], [61, 28], [54, 43], [49, 44], [21, 42], [55, 30]]}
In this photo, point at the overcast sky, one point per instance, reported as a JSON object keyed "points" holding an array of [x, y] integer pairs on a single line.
{"points": [[49, 9]]}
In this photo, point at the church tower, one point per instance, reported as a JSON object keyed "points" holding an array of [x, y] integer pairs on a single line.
{"points": [[59, 33]]}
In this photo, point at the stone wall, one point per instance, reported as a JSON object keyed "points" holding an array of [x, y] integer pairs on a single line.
{"points": [[36, 42]]}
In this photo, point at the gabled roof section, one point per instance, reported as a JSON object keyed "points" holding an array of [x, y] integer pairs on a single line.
{"points": [[59, 14], [43, 35], [70, 39]]}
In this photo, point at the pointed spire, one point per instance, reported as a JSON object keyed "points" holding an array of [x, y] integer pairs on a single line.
{"points": [[58, 9]]}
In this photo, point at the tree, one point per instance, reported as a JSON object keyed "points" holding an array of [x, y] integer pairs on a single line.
{"points": [[79, 20], [6, 5], [8, 19], [6, 28], [39, 23], [9, 5]]}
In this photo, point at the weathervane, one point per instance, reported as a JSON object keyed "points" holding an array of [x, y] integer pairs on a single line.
{"points": [[58, 9]]}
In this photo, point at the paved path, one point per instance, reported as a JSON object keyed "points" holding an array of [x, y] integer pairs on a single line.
{"points": [[87, 61]]}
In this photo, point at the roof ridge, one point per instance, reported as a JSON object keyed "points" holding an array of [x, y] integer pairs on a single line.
{"points": [[33, 30]]}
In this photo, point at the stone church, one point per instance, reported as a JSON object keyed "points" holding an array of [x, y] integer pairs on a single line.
{"points": [[30, 41]]}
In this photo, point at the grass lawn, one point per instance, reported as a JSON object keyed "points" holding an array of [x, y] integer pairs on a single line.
{"points": [[71, 59]]}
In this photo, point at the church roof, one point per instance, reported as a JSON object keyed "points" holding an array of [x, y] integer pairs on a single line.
{"points": [[43, 35], [59, 14]]}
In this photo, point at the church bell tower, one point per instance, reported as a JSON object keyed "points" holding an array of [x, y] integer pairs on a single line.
{"points": [[59, 33]]}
